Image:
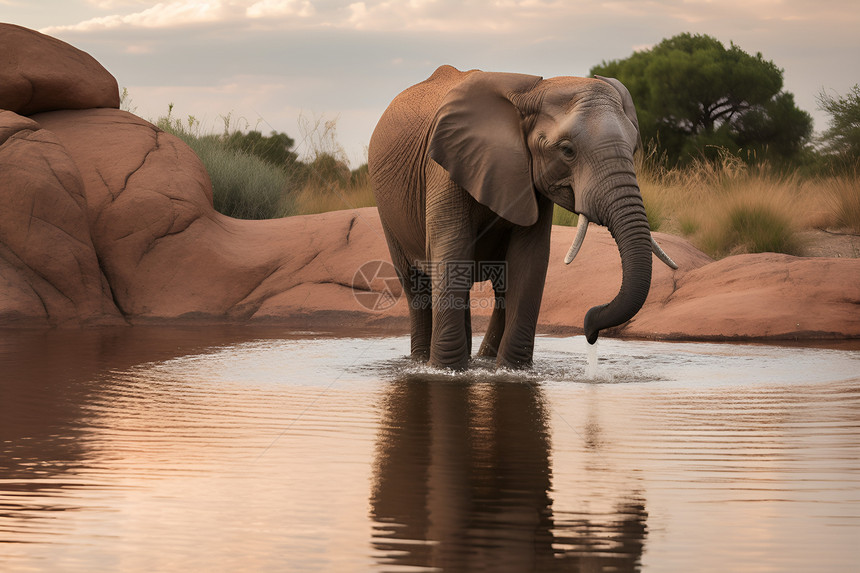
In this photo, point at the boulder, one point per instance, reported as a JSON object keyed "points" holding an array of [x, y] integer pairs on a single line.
{"points": [[765, 296], [41, 73], [49, 270], [168, 255]]}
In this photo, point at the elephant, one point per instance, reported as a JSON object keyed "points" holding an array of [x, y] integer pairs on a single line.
{"points": [[466, 167]]}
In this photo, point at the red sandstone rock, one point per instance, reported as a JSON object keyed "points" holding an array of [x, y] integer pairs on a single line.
{"points": [[49, 272], [594, 277], [763, 296], [167, 254], [41, 73]]}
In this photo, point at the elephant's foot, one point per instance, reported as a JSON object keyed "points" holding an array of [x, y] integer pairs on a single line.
{"points": [[422, 355], [495, 331], [521, 364], [459, 364], [515, 356], [451, 360], [488, 350]]}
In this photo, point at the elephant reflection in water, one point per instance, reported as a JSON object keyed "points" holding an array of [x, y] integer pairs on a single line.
{"points": [[462, 480]]}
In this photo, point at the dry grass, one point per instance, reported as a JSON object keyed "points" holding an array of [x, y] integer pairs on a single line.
{"points": [[841, 202], [730, 208], [321, 197], [723, 207], [324, 189]]}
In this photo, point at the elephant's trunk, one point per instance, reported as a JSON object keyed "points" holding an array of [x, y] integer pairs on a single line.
{"points": [[625, 218]]}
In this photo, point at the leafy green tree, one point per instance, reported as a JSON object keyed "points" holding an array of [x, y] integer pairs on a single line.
{"points": [[693, 96], [842, 138]]}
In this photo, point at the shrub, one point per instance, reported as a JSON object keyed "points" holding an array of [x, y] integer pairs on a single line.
{"points": [[842, 138], [842, 197], [755, 227], [320, 196], [329, 185], [688, 225], [726, 206], [654, 208], [243, 186]]}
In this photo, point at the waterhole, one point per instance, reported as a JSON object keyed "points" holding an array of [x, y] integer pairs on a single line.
{"points": [[249, 450]]}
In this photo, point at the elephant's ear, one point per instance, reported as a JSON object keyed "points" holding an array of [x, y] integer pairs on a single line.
{"points": [[627, 104], [478, 138]]}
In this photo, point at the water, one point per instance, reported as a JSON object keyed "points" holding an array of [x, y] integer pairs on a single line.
{"points": [[592, 370], [244, 449]]}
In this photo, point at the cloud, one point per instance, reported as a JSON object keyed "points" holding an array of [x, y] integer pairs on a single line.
{"points": [[161, 15], [138, 49], [367, 15], [450, 16], [114, 4], [280, 8]]}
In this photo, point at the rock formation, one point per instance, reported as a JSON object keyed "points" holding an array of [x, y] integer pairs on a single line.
{"points": [[106, 219]]}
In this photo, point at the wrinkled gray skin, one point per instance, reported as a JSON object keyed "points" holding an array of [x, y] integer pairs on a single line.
{"points": [[466, 166]]}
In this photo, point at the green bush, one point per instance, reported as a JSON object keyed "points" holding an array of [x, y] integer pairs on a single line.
{"points": [[753, 228], [244, 186]]}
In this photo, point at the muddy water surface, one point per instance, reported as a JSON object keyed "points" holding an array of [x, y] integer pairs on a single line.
{"points": [[236, 449]]}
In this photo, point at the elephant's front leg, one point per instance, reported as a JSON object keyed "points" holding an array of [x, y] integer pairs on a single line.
{"points": [[451, 249], [451, 337], [527, 261]]}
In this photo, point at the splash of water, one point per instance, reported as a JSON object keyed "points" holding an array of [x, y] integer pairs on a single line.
{"points": [[480, 370], [592, 370]]}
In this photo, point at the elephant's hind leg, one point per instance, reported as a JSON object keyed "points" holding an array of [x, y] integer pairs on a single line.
{"points": [[417, 288], [495, 330], [419, 297]]}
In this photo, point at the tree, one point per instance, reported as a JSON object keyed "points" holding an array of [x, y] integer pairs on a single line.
{"points": [[693, 95], [326, 169], [275, 148], [842, 138]]}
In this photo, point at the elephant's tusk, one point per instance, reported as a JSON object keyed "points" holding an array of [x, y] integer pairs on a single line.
{"points": [[661, 254], [581, 228]]}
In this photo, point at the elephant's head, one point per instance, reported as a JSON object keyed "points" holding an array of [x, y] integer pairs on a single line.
{"points": [[505, 137]]}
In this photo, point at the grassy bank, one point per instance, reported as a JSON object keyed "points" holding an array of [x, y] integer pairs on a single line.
{"points": [[729, 207], [725, 207], [245, 186]]}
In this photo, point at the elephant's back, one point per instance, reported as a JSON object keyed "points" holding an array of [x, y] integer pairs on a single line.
{"points": [[397, 157], [416, 105], [424, 98], [405, 125]]}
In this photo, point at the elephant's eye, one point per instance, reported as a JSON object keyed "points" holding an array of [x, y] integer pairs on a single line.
{"points": [[567, 150]]}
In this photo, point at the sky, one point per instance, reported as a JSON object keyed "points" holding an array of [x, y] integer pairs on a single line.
{"points": [[286, 65]]}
